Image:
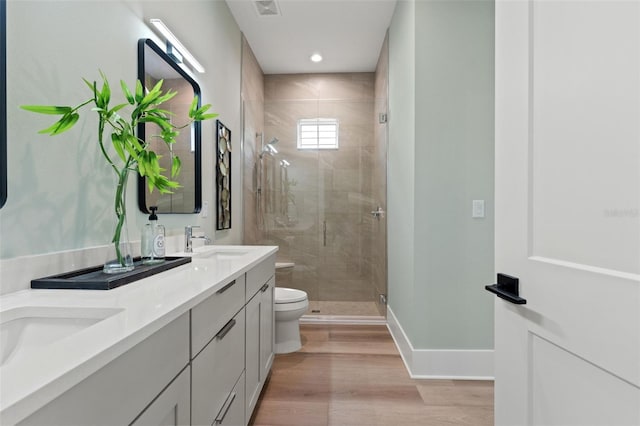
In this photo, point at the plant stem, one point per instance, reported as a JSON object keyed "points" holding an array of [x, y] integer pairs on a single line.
{"points": [[82, 104], [101, 143], [121, 211], [120, 207]]}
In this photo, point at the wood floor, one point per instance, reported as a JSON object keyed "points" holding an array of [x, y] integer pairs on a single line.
{"points": [[354, 376]]}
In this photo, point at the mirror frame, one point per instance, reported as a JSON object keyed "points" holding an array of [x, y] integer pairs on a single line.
{"points": [[142, 185], [3, 102]]}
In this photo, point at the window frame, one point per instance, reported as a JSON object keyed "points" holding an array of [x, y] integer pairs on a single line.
{"points": [[317, 122]]}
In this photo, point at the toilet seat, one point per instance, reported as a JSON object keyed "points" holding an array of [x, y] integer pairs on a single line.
{"points": [[289, 295]]}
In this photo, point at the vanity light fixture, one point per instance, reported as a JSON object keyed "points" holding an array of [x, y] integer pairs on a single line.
{"points": [[174, 54], [316, 57], [174, 45]]}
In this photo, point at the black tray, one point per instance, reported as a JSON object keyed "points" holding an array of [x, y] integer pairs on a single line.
{"points": [[94, 279]]}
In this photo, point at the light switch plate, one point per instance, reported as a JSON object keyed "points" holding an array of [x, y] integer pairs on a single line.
{"points": [[205, 209], [477, 210]]}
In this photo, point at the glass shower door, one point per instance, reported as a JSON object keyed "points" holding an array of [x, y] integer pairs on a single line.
{"points": [[316, 203], [346, 198]]}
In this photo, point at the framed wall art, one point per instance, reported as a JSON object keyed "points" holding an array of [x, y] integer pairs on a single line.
{"points": [[223, 176]]}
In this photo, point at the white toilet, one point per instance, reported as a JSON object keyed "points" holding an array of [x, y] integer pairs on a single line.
{"points": [[290, 305]]}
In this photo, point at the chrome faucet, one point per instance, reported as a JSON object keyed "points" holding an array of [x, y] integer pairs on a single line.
{"points": [[188, 238]]}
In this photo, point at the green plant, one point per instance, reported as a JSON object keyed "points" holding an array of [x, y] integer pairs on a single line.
{"points": [[131, 152]]}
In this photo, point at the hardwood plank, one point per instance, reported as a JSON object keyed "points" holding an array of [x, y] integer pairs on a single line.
{"points": [[353, 339], [299, 377], [450, 392], [349, 348], [406, 414], [291, 413], [354, 375]]}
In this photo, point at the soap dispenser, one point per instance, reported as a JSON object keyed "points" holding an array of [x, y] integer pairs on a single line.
{"points": [[153, 240]]}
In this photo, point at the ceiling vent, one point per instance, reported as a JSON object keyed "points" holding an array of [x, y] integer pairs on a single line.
{"points": [[267, 8]]}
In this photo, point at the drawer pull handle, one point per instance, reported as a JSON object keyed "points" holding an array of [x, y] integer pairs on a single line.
{"points": [[226, 287], [227, 328], [225, 408], [264, 287]]}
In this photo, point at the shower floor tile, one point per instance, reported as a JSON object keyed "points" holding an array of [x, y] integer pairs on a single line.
{"points": [[342, 308]]}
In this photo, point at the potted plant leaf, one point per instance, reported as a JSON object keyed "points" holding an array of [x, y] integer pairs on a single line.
{"points": [[131, 153]]}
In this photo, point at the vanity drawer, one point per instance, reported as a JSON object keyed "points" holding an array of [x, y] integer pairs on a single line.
{"points": [[232, 412], [259, 275], [216, 370], [172, 407], [213, 313]]}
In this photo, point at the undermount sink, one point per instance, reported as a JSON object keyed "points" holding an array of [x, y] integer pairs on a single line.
{"points": [[217, 252], [30, 328], [223, 254]]}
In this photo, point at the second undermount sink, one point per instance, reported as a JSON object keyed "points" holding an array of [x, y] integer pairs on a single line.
{"points": [[224, 254], [218, 252], [30, 328]]}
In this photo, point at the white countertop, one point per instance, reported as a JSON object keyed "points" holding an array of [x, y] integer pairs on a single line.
{"points": [[29, 382]]}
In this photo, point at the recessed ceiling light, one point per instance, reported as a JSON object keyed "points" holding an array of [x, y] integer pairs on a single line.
{"points": [[316, 57], [267, 7]]}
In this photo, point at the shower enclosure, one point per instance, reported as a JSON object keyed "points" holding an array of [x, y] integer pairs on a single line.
{"points": [[317, 189]]}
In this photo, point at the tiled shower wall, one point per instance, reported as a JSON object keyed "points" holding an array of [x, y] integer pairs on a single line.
{"points": [[318, 210]]}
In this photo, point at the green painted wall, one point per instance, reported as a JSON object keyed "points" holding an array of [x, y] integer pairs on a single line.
{"points": [[401, 172], [60, 190], [444, 305]]}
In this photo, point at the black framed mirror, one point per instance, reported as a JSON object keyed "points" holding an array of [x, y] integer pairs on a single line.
{"points": [[154, 65], [3, 102]]}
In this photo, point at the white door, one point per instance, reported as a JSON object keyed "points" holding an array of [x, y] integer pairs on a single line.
{"points": [[567, 212]]}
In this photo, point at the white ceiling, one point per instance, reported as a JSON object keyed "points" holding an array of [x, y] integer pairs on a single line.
{"points": [[348, 34]]}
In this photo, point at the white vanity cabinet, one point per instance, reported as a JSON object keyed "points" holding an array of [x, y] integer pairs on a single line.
{"points": [[260, 330], [218, 348], [204, 360], [130, 386]]}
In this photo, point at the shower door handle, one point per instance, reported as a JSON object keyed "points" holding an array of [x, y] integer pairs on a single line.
{"points": [[324, 233], [378, 213]]}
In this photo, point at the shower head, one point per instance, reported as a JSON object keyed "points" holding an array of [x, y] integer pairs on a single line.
{"points": [[268, 149]]}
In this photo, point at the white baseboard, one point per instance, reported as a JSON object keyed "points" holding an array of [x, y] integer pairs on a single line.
{"points": [[456, 364]]}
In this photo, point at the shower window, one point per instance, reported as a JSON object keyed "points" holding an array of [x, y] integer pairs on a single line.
{"points": [[318, 133]]}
